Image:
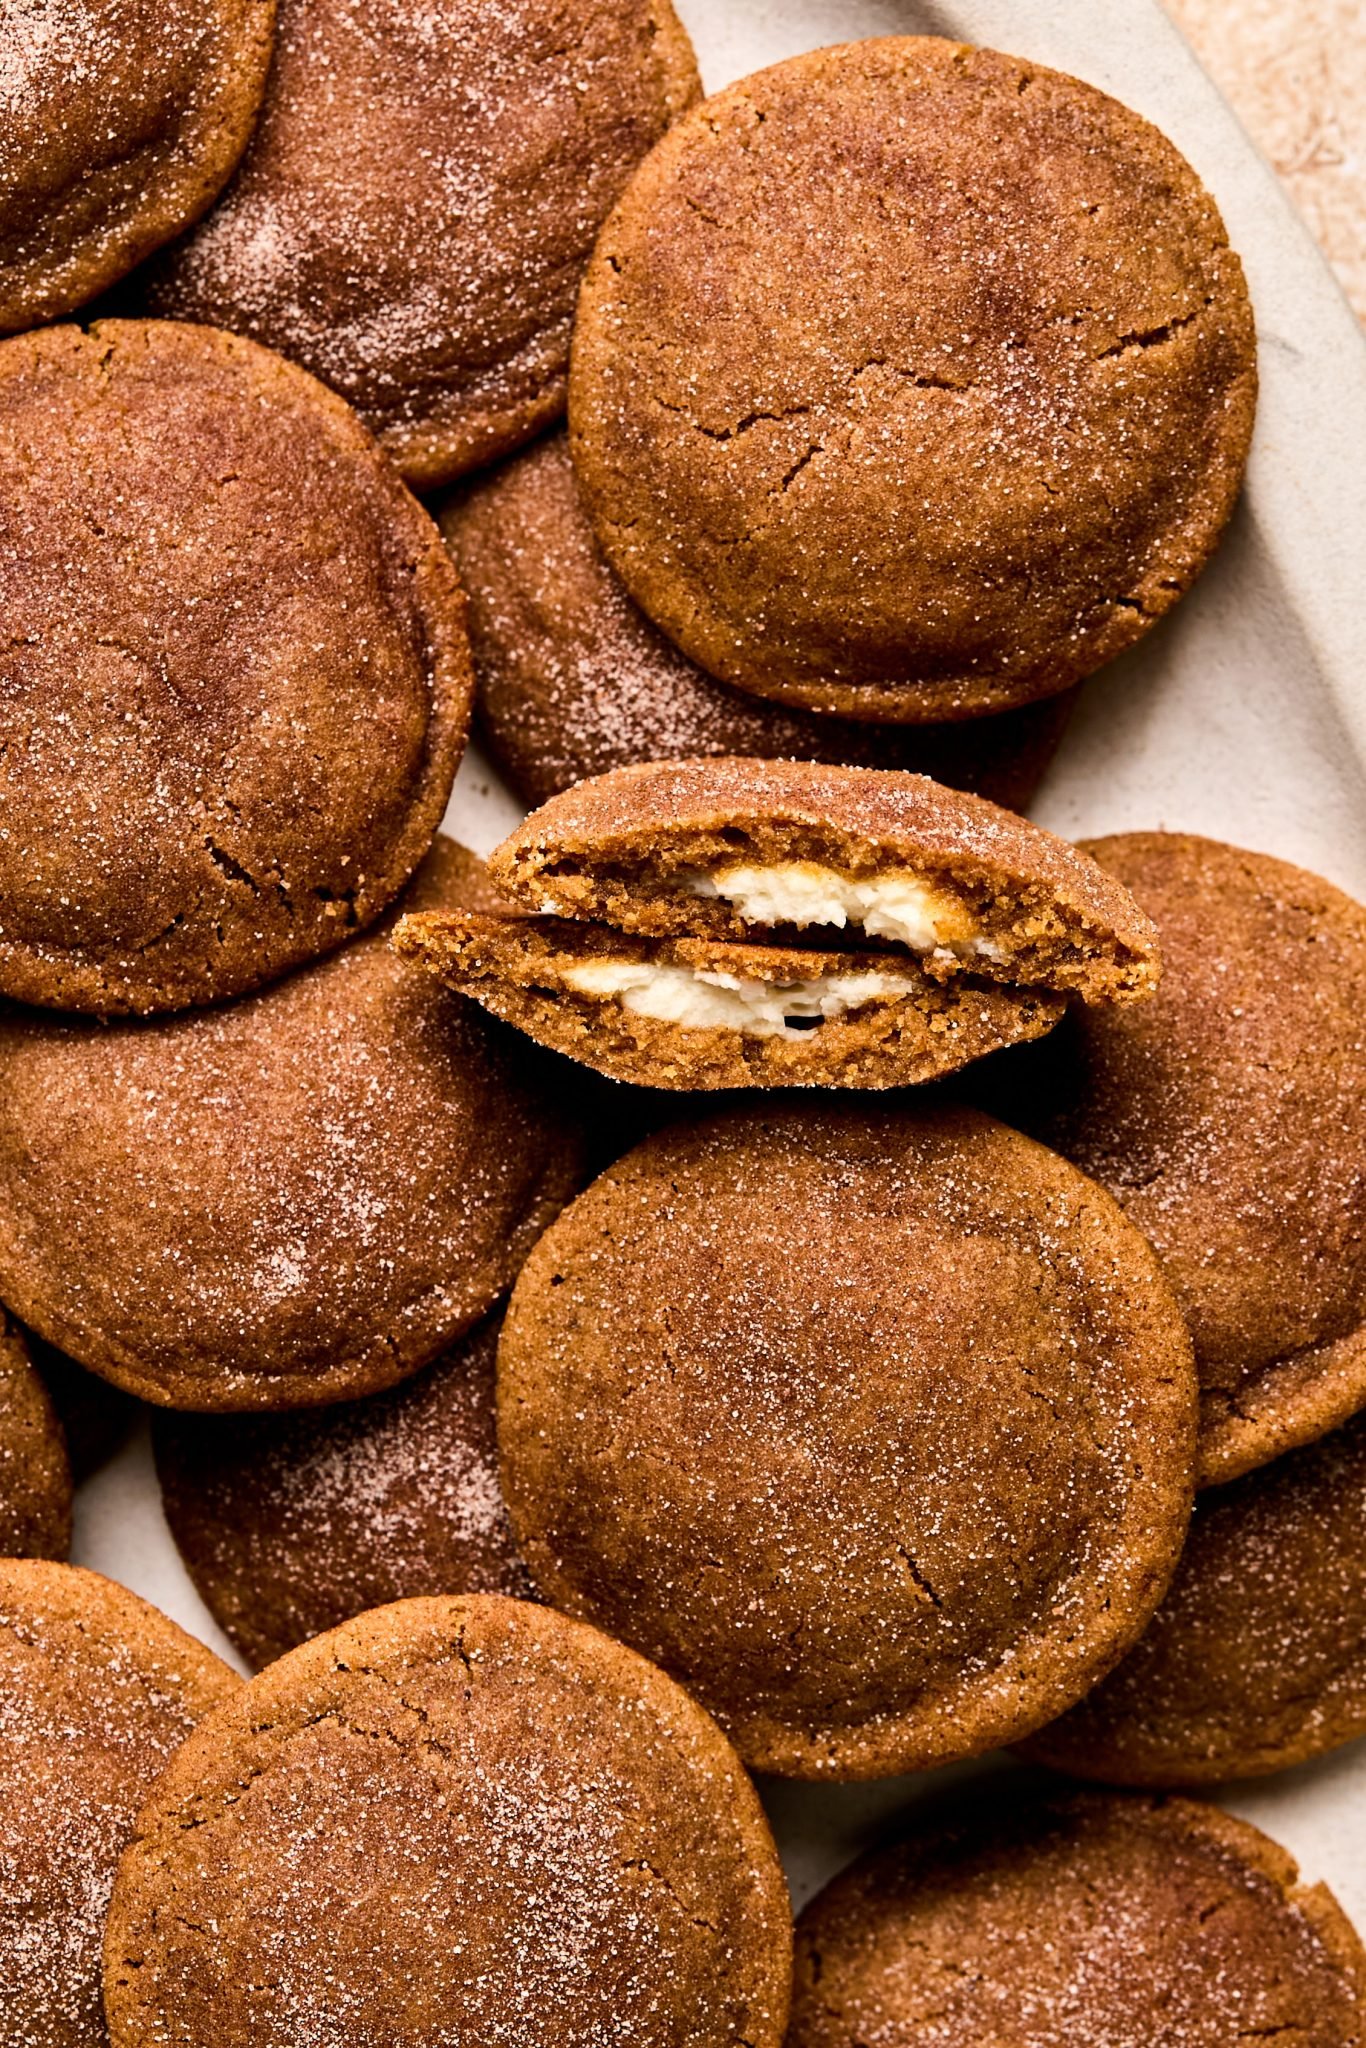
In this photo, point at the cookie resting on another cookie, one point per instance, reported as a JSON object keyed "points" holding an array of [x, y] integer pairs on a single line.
{"points": [[686, 912]]}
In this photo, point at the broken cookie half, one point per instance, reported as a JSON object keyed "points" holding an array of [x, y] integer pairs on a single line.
{"points": [[737, 923]]}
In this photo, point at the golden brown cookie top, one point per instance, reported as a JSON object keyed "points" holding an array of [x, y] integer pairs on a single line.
{"points": [[874, 1426], [290, 1525], [470, 1807], [294, 1199], [235, 676], [739, 848], [35, 1474], [1085, 1922], [97, 1690], [418, 202], [1228, 1116], [1256, 1659], [574, 680], [910, 381], [120, 121]]}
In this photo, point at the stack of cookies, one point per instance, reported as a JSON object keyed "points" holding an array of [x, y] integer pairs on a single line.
{"points": [[980, 1363]]}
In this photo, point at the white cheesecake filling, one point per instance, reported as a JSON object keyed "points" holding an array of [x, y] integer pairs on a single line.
{"points": [[897, 905], [702, 1001]]}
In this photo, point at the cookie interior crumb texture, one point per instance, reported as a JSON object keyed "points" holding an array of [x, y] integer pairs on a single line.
{"points": [[453, 1813], [235, 678], [971, 925], [911, 381], [1086, 1922], [874, 1426], [1256, 1659], [295, 1199], [97, 1690], [574, 679], [416, 208], [290, 1525], [120, 122], [1228, 1117]]}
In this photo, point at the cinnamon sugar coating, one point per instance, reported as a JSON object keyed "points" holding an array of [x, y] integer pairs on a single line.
{"points": [[290, 1525], [120, 121], [911, 381], [235, 679], [35, 1474], [468, 1819], [1228, 1117], [874, 1426], [1085, 1922], [574, 680], [97, 1691], [295, 1199], [1256, 1659], [419, 200]]}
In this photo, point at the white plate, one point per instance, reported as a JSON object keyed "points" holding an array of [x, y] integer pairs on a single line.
{"points": [[1243, 716]]}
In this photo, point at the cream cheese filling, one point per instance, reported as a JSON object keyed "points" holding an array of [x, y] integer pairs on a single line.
{"points": [[701, 1000], [897, 904]]}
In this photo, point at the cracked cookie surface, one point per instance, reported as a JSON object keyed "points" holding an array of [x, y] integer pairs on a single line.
{"points": [[97, 1690], [419, 200], [1091, 1921], [875, 1427], [468, 1819], [234, 675], [574, 680], [120, 121], [911, 381], [294, 1199]]}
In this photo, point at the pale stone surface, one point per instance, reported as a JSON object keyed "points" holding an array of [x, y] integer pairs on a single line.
{"points": [[1295, 74]]}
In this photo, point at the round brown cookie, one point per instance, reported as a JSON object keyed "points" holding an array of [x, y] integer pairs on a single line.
{"points": [[291, 1525], [294, 1199], [1256, 1658], [873, 1426], [235, 674], [120, 121], [1085, 1922], [1228, 1117], [453, 1807], [35, 1476], [574, 680], [97, 1689], [911, 381], [419, 201]]}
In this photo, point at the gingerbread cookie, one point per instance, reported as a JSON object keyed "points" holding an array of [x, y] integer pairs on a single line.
{"points": [[419, 201], [96, 1417], [122, 121], [35, 1475], [680, 900], [290, 1525], [295, 1199], [911, 381], [1256, 1658], [574, 680], [1228, 1117], [235, 672], [97, 1691], [468, 1813], [875, 1427], [1079, 1923]]}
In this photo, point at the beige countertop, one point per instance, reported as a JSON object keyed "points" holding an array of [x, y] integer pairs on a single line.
{"points": [[1295, 73]]}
